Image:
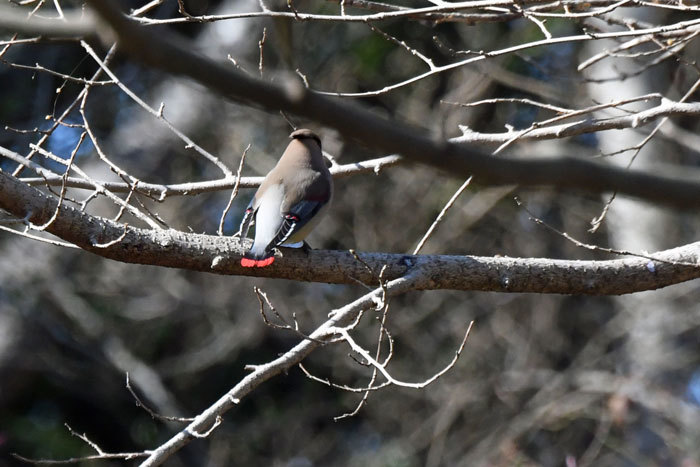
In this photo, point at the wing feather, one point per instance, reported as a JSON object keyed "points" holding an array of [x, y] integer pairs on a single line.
{"points": [[294, 220]]}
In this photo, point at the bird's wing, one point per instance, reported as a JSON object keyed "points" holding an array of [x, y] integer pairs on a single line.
{"points": [[294, 219]]}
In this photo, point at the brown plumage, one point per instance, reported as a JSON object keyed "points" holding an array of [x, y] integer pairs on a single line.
{"points": [[290, 201]]}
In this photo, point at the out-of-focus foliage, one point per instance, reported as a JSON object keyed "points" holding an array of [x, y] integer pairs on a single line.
{"points": [[541, 378]]}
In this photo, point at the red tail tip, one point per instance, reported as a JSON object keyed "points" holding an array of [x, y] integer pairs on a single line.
{"points": [[257, 263]]}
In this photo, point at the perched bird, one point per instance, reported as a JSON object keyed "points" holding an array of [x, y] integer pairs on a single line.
{"points": [[290, 201]]}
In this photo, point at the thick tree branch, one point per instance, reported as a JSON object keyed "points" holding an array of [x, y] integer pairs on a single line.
{"points": [[221, 255], [173, 54]]}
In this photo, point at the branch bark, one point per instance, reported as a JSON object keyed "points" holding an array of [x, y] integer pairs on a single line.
{"points": [[221, 255]]}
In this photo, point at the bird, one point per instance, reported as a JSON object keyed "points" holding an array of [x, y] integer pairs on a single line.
{"points": [[290, 202]]}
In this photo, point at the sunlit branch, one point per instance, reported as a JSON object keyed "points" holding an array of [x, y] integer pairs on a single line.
{"points": [[221, 255]]}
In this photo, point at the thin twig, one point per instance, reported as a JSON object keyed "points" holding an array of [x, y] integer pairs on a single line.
{"points": [[261, 47], [74, 460], [151, 412], [234, 192], [156, 113], [264, 300], [588, 246], [403, 45], [62, 194], [343, 387], [440, 216], [367, 357], [97, 186]]}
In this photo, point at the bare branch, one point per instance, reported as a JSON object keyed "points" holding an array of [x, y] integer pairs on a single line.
{"points": [[261, 47], [440, 216], [77, 24], [234, 192], [170, 53], [540, 130], [262, 373], [588, 246], [151, 412], [64, 115], [381, 367], [37, 238], [63, 184], [74, 460], [157, 113], [222, 255], [183, 189], [471, 12], [403, 45], [96, 185], [685, 28], [263, 300]]}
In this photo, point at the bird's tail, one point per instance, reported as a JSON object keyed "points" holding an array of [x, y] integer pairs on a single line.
{"points": [[252, 260]]}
